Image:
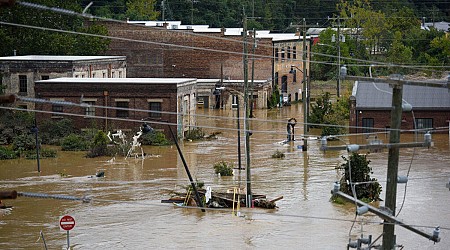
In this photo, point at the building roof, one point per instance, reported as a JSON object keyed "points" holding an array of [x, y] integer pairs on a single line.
{"points": [[176, 25], [441, 26], [120, 80], [59, 58], [371, 95]]}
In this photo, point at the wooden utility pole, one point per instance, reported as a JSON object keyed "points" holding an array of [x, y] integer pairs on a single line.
{"points": [[247, 114], [305, 96], [392, 171]]}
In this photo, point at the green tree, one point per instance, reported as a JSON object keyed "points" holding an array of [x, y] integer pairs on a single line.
{"points": [[142, 10], [36, 41], [399, 53], [357, 170]]}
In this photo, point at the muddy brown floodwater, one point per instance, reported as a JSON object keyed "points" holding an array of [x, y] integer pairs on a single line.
{"points": [[126, 210]]}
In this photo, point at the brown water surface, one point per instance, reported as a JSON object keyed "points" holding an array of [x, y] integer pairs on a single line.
{"points": [[126, 210]]}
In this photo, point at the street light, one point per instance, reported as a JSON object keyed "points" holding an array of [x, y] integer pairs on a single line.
{"points": [[305, 104]]}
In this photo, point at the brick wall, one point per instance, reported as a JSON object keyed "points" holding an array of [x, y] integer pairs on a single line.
{"points": [[106, 95], [155, 60], [382, 119]]}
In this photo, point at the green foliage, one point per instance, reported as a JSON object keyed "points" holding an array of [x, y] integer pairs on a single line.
{"points": [[52, 132], [36, 41], [14, 123], [278, 154], [274, 99], [74, 142], [357, 166], [23, 143], [43, 153], [156, 138], [223, 168], [141, 10], [195, 134], [324, 112], [99, 147], [7, 153]]}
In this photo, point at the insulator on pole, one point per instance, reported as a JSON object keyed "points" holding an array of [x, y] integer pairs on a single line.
{"points": [[352, 148], [402, 179], [323, 143], [336, 187], [362, 210], [436, 232], [406, 107]]}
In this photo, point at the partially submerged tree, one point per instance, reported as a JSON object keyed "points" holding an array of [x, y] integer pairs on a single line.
{"points": [[357, 170]]}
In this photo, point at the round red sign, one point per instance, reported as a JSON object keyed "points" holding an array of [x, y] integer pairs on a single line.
{"points": [[67, 222]]}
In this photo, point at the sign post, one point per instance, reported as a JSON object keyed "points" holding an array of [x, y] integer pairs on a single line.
{"points": [[67, 223]]}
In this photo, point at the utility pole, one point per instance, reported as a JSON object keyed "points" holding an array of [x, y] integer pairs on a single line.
{"points": [[338, 88], [392, 171], [305, 96], [247, 113], [253, 73]]}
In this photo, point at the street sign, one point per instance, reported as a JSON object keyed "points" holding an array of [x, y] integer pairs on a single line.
{"points": [[67, 222]]}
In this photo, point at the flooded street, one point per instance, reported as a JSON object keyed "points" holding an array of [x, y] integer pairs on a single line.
{"points": [[126, 210]]}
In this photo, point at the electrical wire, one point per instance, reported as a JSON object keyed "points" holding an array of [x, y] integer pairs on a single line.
{"points": [[70, 12]]}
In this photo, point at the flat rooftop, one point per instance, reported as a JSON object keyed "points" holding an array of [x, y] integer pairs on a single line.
{"points": [[58, 58], [120, 80]]}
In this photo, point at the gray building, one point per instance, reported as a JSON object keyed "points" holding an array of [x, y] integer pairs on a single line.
{"points": [[18, 73]]}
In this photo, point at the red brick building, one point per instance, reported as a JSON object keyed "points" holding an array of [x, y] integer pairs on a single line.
{"points": [[173, 50], [371, 104], [120, 103]]}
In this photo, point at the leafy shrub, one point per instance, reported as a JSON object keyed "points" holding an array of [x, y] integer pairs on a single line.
{"points": [[278, 154], [99, 146], [74, 142], [195, 134], [360, 172], [223, 168], [52, 132], [7, 153], [14, 123], [24, 142], [43, 153], [155, 138]]}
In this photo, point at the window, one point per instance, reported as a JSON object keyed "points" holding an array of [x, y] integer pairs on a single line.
{"points": [[423, 123], [104, 75], [276, 54], [23, 84], [289, 52], [90, 111], [284, 84], [120, 74], [295, 76], [119, 112], [45, 77], [113, 75], [367, 124], [282, 54], [294, 52], [154, 106], [57, 108]]}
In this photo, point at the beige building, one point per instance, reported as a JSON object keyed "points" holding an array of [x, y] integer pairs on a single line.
{"points": [[19, 73]]}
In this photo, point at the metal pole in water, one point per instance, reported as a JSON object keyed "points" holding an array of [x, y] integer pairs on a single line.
{"points": [[68, 243]]}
